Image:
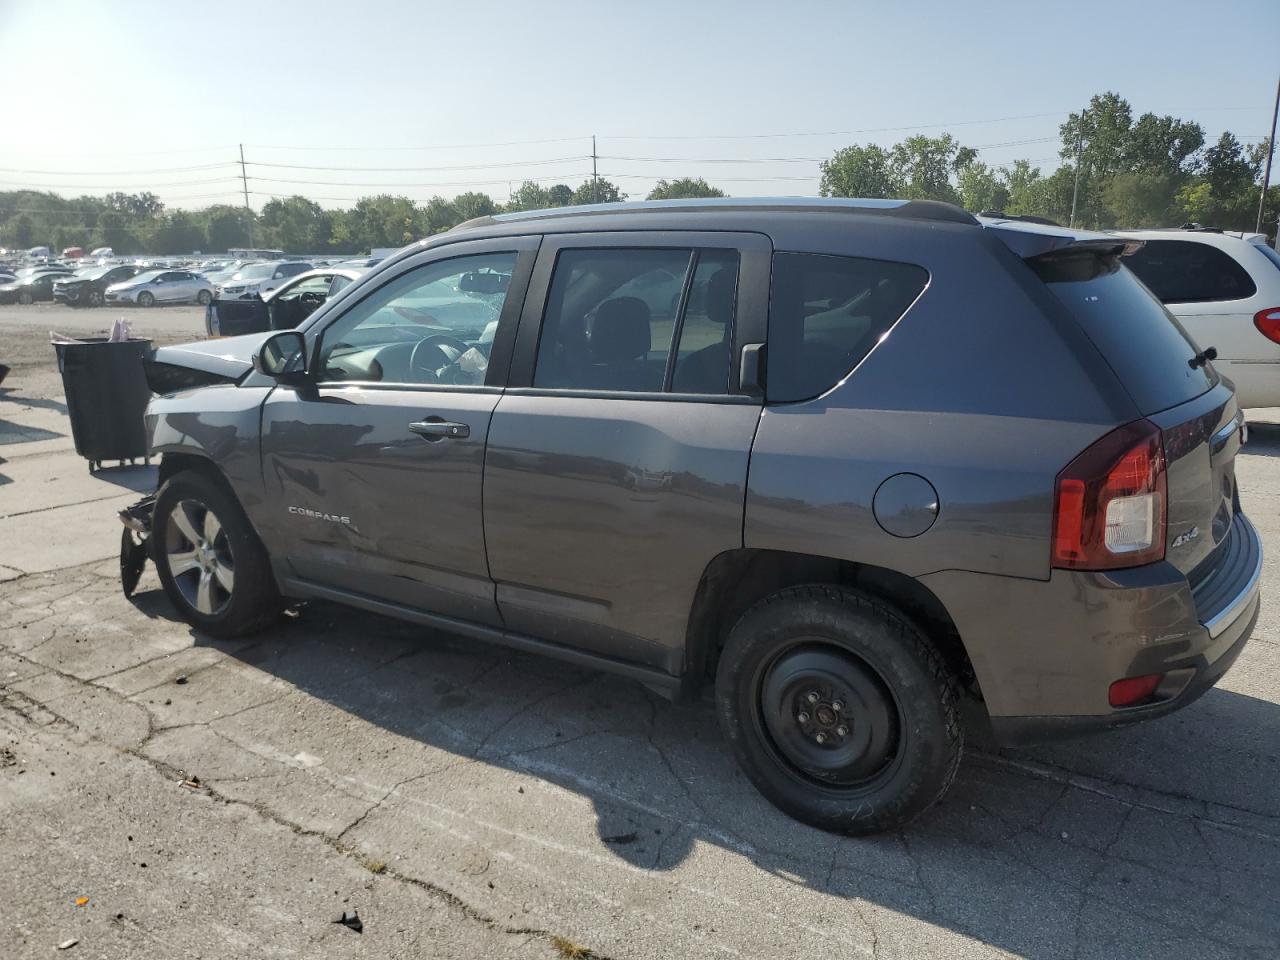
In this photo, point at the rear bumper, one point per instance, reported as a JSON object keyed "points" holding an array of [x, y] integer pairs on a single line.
{"points": [[1209, 668], [1045, 653]]}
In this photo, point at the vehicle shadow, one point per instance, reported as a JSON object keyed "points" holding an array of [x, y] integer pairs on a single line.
{"points": [[1156, 840], [1264, 440]]}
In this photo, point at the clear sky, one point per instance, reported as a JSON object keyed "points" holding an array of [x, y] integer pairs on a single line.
{"points": [[136, 94]]}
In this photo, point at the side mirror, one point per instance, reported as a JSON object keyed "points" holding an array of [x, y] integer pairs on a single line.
{"points": [[282, 356]]}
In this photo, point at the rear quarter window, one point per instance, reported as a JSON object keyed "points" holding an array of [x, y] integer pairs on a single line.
{"points": [[1146, 347], [826, 313], [1183, 271]]}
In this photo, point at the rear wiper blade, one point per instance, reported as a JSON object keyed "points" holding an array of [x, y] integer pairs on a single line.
{"points": [[1203, 357]]}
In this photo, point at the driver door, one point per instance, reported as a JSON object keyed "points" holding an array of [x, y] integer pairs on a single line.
{"points": [[373, 471]]}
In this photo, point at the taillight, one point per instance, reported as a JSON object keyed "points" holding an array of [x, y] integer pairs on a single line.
{"points": [[1111, 501], [1268, 323]]}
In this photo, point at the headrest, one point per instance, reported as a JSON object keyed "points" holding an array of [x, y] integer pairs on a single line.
{"points": [[720, 293], [620, 331]]}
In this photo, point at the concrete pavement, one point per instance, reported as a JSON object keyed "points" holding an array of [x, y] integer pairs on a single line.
{"points": [[470, 801]]}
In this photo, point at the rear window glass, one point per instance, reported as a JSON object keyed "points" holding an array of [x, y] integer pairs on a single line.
{"points": [[1145, 346], [1183, 271], [826, 313]]}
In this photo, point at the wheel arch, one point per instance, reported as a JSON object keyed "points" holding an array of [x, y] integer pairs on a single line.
{"points": [[735, 580]]}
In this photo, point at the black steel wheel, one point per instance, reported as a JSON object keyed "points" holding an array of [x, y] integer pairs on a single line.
{"points": [[839, 709]]}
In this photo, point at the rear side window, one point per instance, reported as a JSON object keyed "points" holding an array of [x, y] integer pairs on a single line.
{"points": [[827, 313], [1182, 271], [642, 320], [1145, 346]]}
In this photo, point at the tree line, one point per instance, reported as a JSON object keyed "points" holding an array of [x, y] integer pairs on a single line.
{"points": [[140, 223], [1145, 172], [1155, 171]]}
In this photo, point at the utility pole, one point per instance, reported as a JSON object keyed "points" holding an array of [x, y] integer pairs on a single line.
{"points": [[248, 211], [1075, 191], [595, 179], [1271, 149]]}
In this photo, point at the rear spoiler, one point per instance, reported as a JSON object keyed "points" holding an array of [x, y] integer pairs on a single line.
{"points": [[1041, 242]]}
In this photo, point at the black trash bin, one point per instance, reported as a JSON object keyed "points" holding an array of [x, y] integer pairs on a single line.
{"points": [[107, 395]]}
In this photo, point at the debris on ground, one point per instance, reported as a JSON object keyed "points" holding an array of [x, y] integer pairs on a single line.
{"points": [[180, 679], [570, 950], [621, 838], [81, 901], [350, 920], [67, 944], [8, 758], [191, 783]]}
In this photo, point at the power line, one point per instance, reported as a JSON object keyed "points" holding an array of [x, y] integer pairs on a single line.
{"points": [[399, 185], [118, 173], [473, 166], [150, 187], [836, 133], [437, 146]]}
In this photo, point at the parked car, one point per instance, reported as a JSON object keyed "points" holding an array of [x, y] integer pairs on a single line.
{"points": [[1225, 289], [281, 309], [87, 288], [260, 278], [31, 288], [883, 456], [161, 286]]}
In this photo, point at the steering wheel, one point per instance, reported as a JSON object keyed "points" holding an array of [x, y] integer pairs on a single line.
{"points": [[446, 347]]}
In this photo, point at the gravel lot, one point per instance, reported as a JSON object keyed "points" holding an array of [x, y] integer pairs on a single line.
{"points": [[216, 799]]}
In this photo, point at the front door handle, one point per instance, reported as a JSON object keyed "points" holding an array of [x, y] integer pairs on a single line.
{"points": [[433, 428]]}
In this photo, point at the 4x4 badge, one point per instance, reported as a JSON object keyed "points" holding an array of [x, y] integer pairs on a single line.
{"points": [[1187, 537]]}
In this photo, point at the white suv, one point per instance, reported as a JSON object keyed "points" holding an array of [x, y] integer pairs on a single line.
{"points": [[260, 278], [1224, 287]]}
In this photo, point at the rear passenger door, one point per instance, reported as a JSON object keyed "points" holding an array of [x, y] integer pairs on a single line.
{"points": [[617, 460]]}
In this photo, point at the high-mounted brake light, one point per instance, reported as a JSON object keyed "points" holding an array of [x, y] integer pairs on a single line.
{"points": [[1111, 502], [1268, 323]]}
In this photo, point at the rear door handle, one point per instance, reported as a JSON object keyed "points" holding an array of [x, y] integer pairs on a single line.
{"points": [[434, 428]]}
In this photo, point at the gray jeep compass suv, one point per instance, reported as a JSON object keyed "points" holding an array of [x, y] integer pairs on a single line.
{"points": [[846, 460]]}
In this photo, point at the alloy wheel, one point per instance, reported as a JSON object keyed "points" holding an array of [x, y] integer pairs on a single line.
{"points": [[199, 557]]}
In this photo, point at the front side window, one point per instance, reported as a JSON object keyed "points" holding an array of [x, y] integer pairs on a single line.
{"points": [[433, 325], [612, 316], [1183, 271], [827, 313]]}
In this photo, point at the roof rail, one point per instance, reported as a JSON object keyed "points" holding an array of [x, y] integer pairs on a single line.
{"points": [[1197, 228], [908, 209]]}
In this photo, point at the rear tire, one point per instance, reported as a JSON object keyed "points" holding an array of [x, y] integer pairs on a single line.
{"points": [[839, 709], [146, 299], [204, 297], [211, 562], [25, 299]]}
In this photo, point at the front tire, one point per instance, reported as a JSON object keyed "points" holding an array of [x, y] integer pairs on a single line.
{"points": [[211, 562], [838, 709], [95, 298], [146, 299]]}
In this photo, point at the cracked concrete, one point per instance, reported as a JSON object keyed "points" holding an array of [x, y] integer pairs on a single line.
{"points": [[473, 801]]}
